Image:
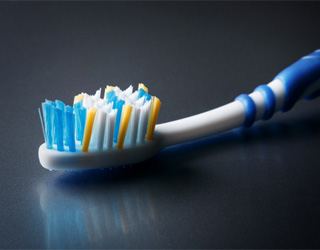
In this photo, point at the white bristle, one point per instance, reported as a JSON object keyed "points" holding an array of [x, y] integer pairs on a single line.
{"points": [[98, 93], [117, 90], [102, 131], [140, 101], [100, 103], [122, 96], [108, 107], [109, 129], [101, 120], [87, 101], [134, 122], [134, 96], [141, 127], [128, 91], [143, 120], [42, 126]]}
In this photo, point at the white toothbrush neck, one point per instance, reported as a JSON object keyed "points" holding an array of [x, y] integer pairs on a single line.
{"points": [[229, 116], [204, 124]]}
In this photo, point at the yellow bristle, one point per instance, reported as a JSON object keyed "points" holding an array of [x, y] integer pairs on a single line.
{"points": [[153, 117], [88, 129], [77, 98], [142, 86], [125, 118]]}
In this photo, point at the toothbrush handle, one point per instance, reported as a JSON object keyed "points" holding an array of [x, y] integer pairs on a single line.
{"points": [[290, 85], [296, 81], [299, 77]]}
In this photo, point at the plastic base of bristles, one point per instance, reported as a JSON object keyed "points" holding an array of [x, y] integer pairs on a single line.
{"points": [[55, 160]]}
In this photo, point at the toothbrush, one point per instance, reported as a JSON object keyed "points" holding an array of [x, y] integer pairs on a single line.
{"points": [[97, 134]]}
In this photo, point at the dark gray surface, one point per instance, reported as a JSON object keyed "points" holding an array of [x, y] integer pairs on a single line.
{"points": [[252, 188]]}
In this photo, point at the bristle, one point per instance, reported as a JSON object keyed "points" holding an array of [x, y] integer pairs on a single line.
{"points": [[88, 129], [125, 118], [118, 105], [80, 120], [109, 129], [119, 119], [142, 86], [142, 127], [128, 91], [109, 88], [155, 108], [132, 132], [98, 93], [70, 128], [42, 126], [47, 110], [61, 106], [77, 98], [96, 142], [58, 128]]}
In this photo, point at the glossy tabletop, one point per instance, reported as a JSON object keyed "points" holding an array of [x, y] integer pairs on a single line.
{"points": [[248, 188]]}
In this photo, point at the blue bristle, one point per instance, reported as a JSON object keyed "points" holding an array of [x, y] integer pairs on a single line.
{"points": [[118, 106], [80, 119], [58, 128], [110, 95], [70, 128], [114, 100], [142, 93], [47, 110], [61, 105], [76, 108]]}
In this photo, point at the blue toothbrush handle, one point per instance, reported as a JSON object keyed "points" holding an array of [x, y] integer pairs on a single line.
{"points": [[299, 77], [296, 81]]}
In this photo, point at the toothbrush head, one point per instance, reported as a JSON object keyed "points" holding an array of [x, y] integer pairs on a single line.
{"points": [[55, 160], [115, 130]]}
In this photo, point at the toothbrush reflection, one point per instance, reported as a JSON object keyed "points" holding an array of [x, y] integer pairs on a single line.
{"points": [[96, 216], [184, 191]]}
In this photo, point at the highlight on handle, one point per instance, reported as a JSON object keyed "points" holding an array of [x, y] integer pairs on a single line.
{"points": [[93, 123]]}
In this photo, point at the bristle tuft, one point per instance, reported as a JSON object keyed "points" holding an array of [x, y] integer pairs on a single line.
{"points": [[119, 119]]}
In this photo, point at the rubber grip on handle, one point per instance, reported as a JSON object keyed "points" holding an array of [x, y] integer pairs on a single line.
{"points": [[298, 77]]}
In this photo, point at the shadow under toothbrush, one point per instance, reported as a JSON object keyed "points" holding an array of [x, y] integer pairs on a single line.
{"points": [[176, 161]]}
